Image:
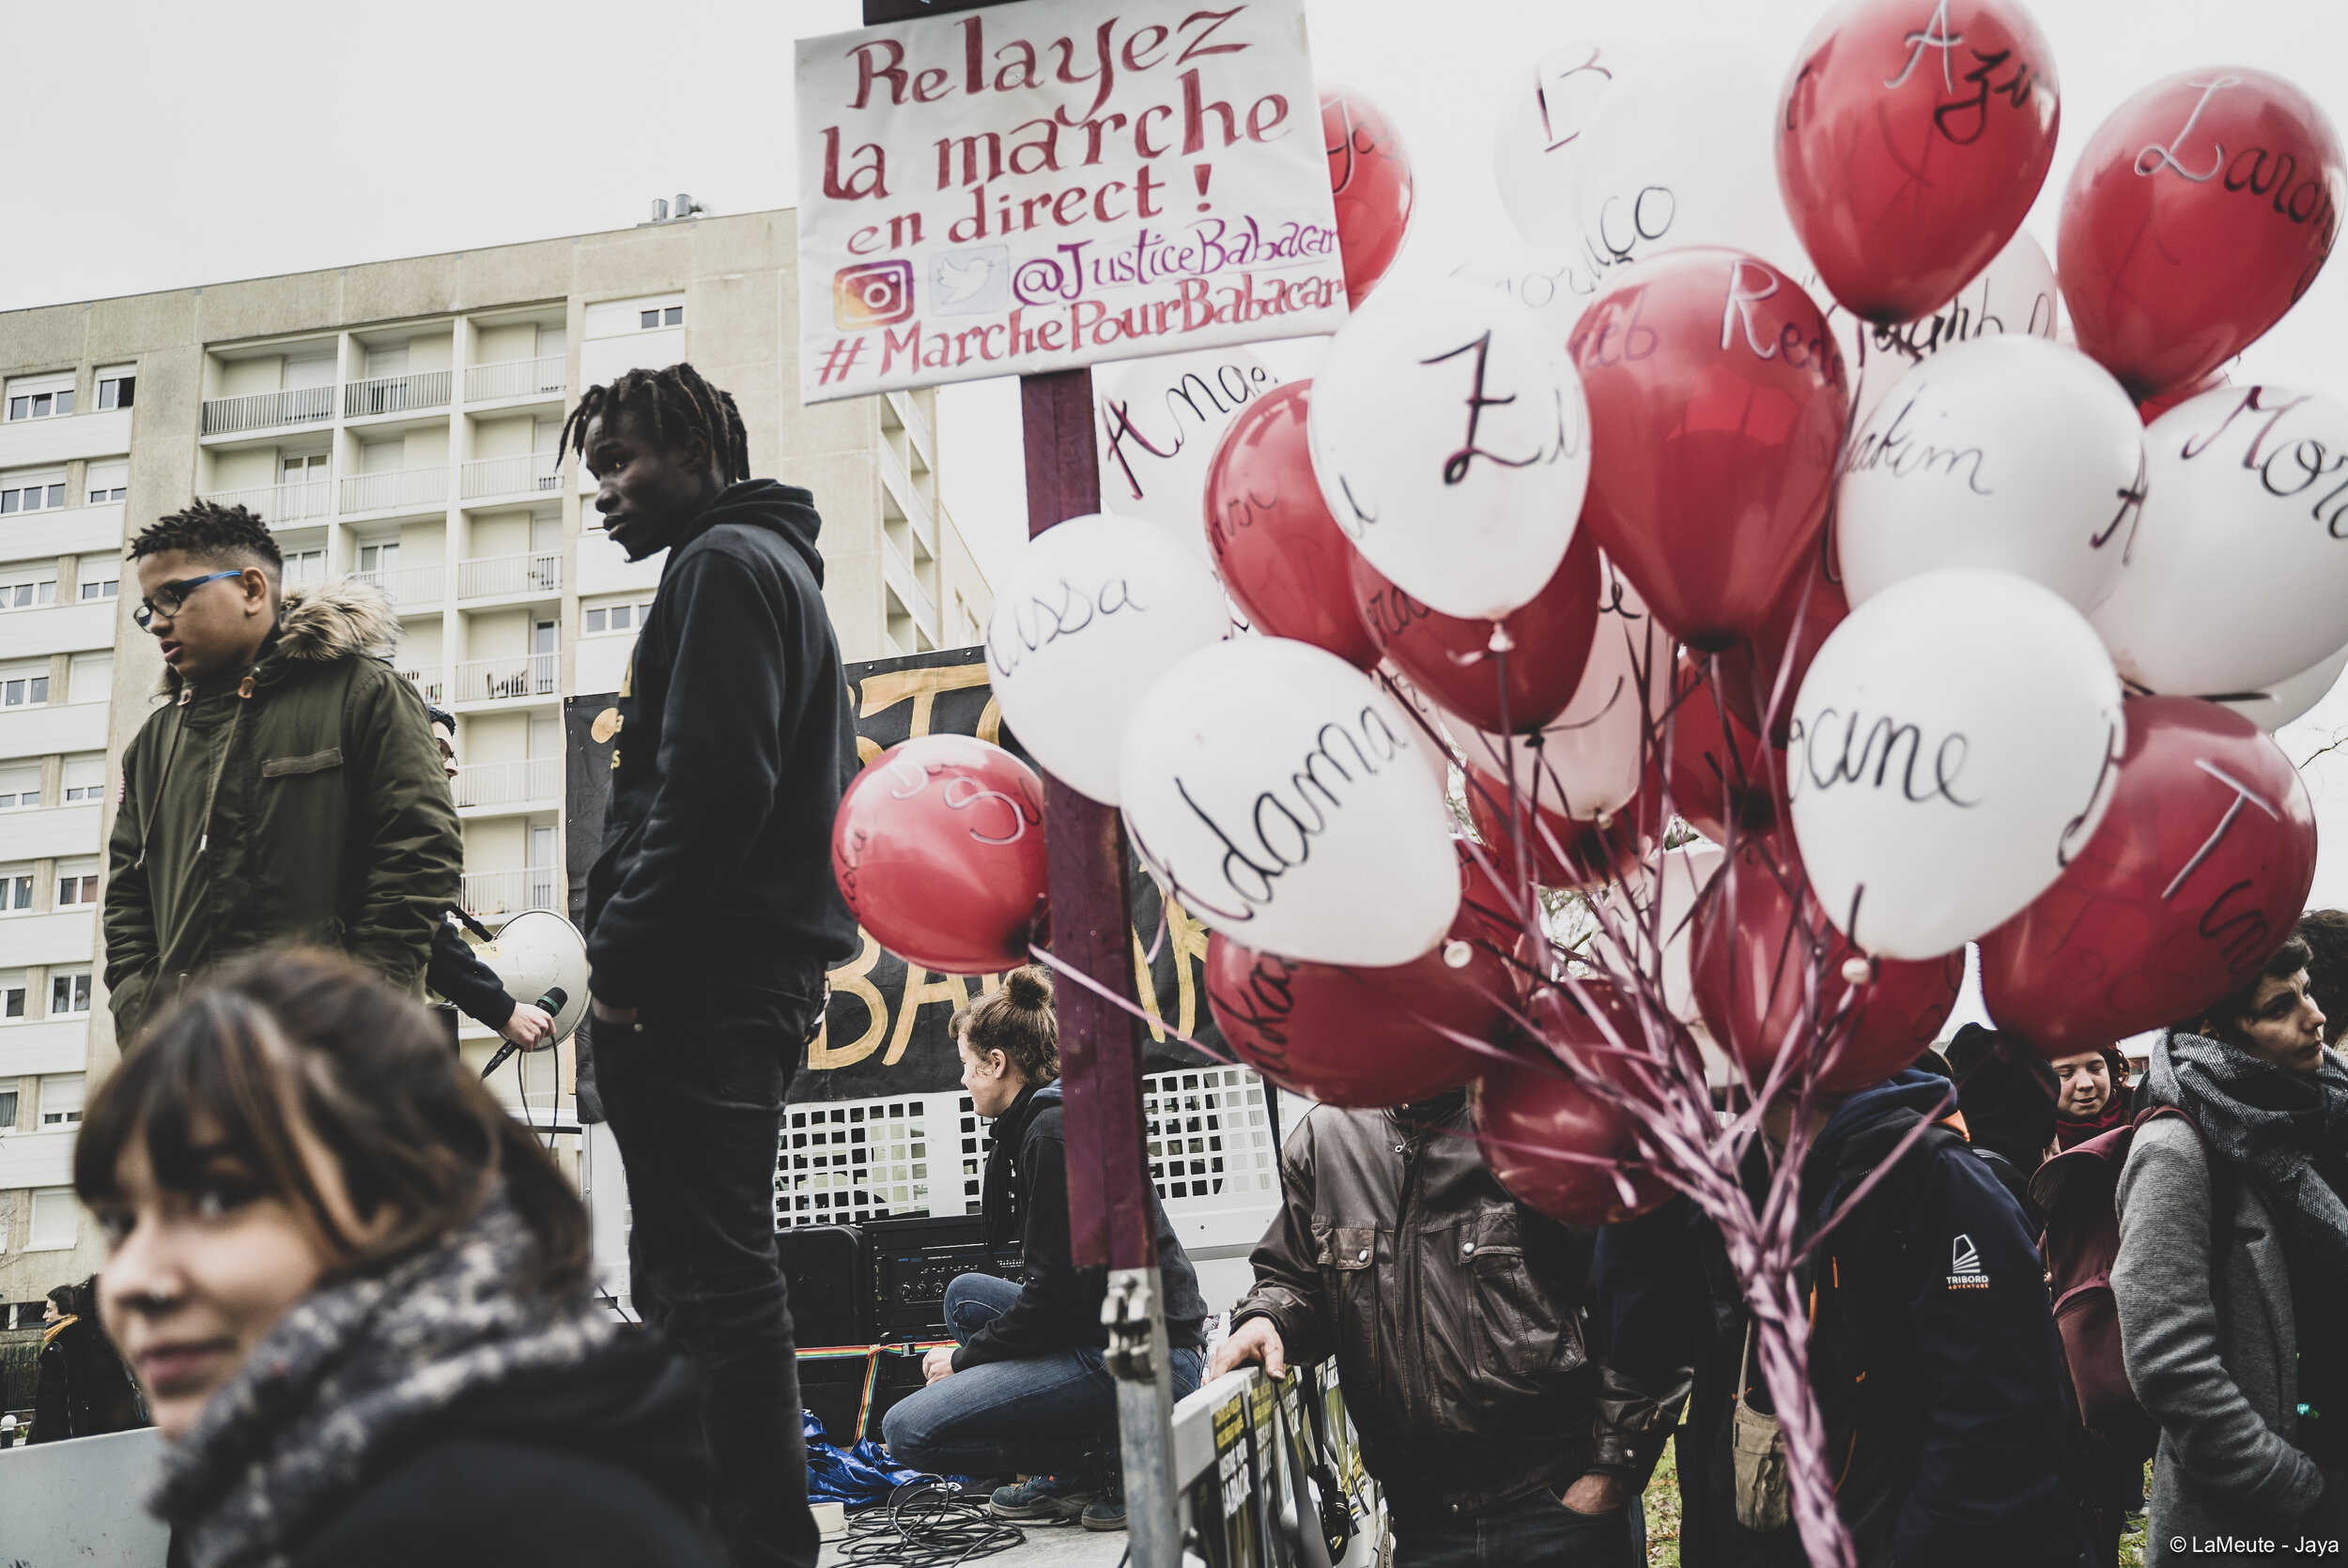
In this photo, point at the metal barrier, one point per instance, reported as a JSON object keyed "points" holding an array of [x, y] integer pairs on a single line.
{"points": [[79, 1502]]}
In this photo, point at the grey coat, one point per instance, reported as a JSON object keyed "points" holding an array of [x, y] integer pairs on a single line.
{"points": [[2218, 1368]]}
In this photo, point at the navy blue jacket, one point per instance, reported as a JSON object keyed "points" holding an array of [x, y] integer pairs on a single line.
{"points": [[1933, 1354]]}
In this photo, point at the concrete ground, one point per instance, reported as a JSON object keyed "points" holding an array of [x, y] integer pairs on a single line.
{"points": [[1055, 1545]]}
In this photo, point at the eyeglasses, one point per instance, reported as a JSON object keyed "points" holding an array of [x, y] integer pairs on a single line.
{"points": [[167, 598]]}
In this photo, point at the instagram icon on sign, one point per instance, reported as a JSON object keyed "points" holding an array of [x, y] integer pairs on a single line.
{"points": [[871, 294]]}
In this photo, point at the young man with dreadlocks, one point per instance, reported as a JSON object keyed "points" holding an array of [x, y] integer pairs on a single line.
{"points": [[712, 913], [288, 793]]}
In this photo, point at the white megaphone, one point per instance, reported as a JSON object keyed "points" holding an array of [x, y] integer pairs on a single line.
{"points": [[539, 957]]}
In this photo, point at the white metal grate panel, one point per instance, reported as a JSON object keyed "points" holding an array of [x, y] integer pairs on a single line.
{"points": [[849, 1160]]}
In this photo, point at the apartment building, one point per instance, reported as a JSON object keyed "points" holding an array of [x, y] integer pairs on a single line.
{"points": [[396, 421]]}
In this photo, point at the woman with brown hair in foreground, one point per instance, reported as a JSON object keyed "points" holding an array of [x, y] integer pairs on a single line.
{"points": [[355, 1292]]}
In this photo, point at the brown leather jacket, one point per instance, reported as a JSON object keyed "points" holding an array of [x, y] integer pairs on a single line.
{"points": [[1454, 1313]]}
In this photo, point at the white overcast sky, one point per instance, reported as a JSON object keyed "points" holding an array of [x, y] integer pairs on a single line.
{"points": [[163, 145]]}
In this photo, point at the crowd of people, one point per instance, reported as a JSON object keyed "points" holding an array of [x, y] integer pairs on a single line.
{"points": [[354, 1295]]}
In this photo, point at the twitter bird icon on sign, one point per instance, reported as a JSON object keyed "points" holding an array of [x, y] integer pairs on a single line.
{"points": [[971, 281]]}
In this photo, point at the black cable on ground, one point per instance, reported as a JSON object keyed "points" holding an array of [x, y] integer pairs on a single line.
{"points": [[928, 1524]]}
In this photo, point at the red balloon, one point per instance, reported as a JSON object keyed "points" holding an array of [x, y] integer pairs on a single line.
{"points": [[1349, 1036], [2200, 211], [1279, 553], [1369, 181], [1572, 1033], [938, 849], [1909, 155], [1719, 770], [1448, 658], [1717, 416], [1797, 629], [1523, 1112], [2160, 403], [1592, 853], [1750, 973], [2194, 876]]}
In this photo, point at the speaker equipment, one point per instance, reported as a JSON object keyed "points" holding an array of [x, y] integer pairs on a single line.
{"points": [[828, 1269], [851, 1393], [915, 1260]]}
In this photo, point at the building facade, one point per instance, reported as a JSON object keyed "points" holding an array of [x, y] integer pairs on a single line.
{"points": [[395, 422]]}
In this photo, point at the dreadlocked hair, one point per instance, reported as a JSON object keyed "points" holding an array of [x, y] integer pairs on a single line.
{"points": [[212, 535], [677, 405]]}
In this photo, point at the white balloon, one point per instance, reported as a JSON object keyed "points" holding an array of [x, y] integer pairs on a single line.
{"points": [[1681, 874], [2013, 294], [1436, 754], [1276, 788], [1683, 153], [1093, 612], [2235, 577], [1550, 281], [1953, 742], [2008, 451], [2287, 700], [1538, 135], [1589, 760], [1160, 420], [1452, 444]]}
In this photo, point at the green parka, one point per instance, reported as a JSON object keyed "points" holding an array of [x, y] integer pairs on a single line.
{"points": [[298, 801]]}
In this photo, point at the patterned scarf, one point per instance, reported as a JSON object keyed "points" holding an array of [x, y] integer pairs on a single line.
{"points": [[355, 1370]]}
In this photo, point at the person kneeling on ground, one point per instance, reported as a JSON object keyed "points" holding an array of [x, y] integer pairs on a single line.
{"points": [[355, 1292], [1024, 1390], [2234, 1257], [1497, 1433]]}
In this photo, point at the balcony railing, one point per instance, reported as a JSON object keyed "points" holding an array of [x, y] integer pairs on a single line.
{"points": [[392, 395], [493, 892], [497, 574], [279, 504], [411, 587], [501, 679], [378, 492], [916, 506], [432, 684], [539, 778], [268, 410], [899, 573], [507, 476], [513, 379]]}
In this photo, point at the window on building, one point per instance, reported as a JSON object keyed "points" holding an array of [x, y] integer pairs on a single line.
{"points": [[77, 883], [85, 777], [105, 482], [11, 996], [615, 615], [25, 685], [40, 396], [100, 577], [93, 678], [19, 786], [16, 889], [305, 565], [379, 558], [31, 492], [116, 384], [61, 1099], [28, 587], [56, 1219], [8, 1123], [69, 993]]}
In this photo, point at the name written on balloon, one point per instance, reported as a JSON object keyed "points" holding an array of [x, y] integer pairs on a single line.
{"points": [[1962, 120], [1565, 442], [1264, 1004], [1054, 613], [1900, 452], [1749, 283], [1194, 405], [1835, 748], [1010, 817], [2243, 933], [2260, 171], [2286, 466], [1278, 835]]}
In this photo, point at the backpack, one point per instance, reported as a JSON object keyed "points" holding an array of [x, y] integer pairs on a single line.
{"points": [[2078, 1190]]}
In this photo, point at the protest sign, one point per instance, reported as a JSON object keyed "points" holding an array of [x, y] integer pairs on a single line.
{"points": [[1035, 188]]}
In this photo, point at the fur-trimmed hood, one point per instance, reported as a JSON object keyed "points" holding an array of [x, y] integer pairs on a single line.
{"points": [[322, 623]]}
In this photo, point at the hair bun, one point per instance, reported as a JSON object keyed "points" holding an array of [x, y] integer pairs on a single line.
{"points": [[1029, 986]]}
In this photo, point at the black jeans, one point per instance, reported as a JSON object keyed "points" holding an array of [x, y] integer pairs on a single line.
{"points": [[694, 1092], [1539, 1531]]}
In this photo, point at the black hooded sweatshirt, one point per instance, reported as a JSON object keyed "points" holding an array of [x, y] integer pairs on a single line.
{"points": [[735, 741]]}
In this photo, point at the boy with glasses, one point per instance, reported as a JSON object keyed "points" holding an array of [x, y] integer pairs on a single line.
{"points": [[290, 792]]}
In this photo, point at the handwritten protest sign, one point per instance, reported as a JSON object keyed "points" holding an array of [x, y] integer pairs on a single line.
{"points": [[1037, 187]]}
